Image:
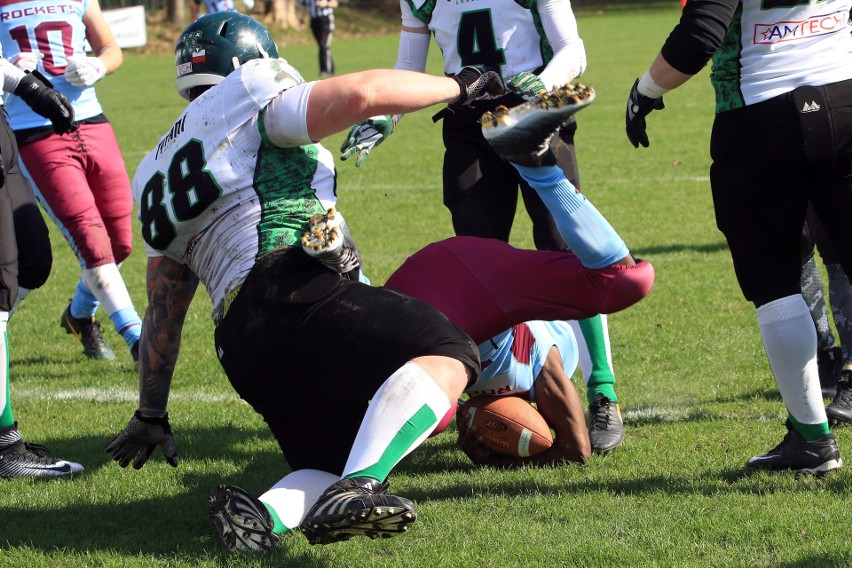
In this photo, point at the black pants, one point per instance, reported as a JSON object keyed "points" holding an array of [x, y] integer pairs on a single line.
{"points": [[769, 160], [25, 255], [481, 189], [308, 349], [323, 30]]}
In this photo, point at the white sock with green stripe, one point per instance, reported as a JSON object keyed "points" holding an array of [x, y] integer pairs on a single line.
{"points": [[289, 499], [402, 414]]}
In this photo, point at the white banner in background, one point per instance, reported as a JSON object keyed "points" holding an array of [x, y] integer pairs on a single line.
{"points": [[127, 25]]}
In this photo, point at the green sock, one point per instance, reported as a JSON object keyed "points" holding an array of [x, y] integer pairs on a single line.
{"points": [[601, 380], [6, 417], [809, 432], [277, 526], [422, 421]]}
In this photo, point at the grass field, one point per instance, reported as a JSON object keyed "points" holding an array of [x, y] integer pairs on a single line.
{"points": [[693, 380]]}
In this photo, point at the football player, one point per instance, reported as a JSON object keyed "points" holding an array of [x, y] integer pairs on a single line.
{"points": [[80, 179], [224, 199], [534, 46], [25, 261], [783, 113]]}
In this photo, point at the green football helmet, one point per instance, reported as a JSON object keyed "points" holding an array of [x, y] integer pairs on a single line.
{"points": [[211, 47]]}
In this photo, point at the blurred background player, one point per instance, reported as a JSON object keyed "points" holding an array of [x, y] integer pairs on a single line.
{"points": [[321, 16], [80, 178], [534, 46], [25, 262], [214, 6], [258, 176]]}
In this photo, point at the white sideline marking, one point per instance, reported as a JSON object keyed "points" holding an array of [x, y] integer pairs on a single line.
{"points": [[118, 395]]}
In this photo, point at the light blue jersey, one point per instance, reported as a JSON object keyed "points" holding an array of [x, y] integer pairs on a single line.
{"points": [[512, 360], [55, 29]]}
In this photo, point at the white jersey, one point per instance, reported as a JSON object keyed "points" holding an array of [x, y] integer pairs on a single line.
{"points": [[216, 194], [502, 35], [512, 360], [772, 50], [55, 29]]}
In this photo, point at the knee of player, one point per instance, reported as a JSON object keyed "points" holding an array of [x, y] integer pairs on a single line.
{"points": [[121, 251]]}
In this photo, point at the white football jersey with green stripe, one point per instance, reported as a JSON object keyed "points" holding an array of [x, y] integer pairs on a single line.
{"points": [[216, 193]]}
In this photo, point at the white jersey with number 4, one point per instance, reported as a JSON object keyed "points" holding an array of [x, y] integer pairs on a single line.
{"points": [[503, 35], [216, 194]]}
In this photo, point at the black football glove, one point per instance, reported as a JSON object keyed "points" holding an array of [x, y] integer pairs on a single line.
{"points": [[473, 81], [638, 107], [139, 438], [37, 92]]}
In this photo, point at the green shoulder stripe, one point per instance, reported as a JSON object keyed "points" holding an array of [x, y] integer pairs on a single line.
{"points": [[424, 12]]}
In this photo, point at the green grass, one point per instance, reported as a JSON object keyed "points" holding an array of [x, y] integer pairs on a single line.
{"points": [[694, 383]]}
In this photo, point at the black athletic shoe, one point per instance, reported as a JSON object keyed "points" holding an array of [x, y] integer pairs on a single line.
{"points": [[840, 409], [606, 429], [357, 507], [797, 454], [23, 459], [242, 520], [520, 134], [88, 331], [830, 363]]}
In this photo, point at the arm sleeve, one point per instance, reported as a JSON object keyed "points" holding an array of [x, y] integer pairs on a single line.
{"points": [[413, 51], [285, 118], [569, 53], [11, 75], [698, 35]]}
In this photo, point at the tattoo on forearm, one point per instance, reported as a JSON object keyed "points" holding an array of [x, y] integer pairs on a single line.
{"points": [[171, 287]]}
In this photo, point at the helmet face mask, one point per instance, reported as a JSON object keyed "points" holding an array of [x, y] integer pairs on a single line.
{"points": [[213, 46]]}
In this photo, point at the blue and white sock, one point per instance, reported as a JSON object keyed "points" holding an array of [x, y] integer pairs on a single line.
{"points": [[83, 304]]}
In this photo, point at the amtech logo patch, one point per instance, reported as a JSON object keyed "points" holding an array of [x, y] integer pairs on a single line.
{"points": [[804, 29]]}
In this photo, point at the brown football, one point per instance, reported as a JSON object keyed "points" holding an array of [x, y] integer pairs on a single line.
{"points": [[509, 424]]}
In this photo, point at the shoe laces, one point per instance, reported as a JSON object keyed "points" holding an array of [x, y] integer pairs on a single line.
{"points": [[30, 452], [599, 412]]}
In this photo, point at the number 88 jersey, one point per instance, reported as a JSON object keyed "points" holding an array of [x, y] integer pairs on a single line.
{"points": [[501, 35]]}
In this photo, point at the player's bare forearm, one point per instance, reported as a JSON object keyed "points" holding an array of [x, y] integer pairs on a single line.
{"points": [[559, 404], [171, 287]]}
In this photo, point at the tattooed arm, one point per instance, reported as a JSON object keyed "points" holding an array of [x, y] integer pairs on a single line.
{"points": [[171, 287]]}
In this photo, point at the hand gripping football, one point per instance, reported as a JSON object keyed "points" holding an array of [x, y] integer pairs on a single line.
{"points": [[509, 425]]}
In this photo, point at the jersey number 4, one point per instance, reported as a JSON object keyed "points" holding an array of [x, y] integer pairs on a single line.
{"points": [[476, 41]]}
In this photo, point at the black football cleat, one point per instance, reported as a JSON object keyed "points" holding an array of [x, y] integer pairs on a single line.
{"points": [[357, 507], [88, 331], [23, 459], [797, 454], [606, 429], [840, 409], [241, 519]]}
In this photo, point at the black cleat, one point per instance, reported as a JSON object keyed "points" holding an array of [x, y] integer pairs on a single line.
{"points": [[796, 454], [606, 429], [23, 459], [242, 520], [830, 364], [88, 331], [840, 409], [357, 507], [521, 134], [328, 240]]}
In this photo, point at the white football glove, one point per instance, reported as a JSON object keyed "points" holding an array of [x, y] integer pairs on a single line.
{"points": [[366, 135], [84, 71], [26, 61], [249, 4]]}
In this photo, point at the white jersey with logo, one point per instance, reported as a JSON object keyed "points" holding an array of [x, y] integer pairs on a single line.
{"points": [[772, 47], [503, 35], [216, 194], [512, 360], [55, 29]]}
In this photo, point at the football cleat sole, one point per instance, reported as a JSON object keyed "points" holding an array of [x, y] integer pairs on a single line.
{"points": [[323, 235], [372, 522], [517, 132], [242, 520]]}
